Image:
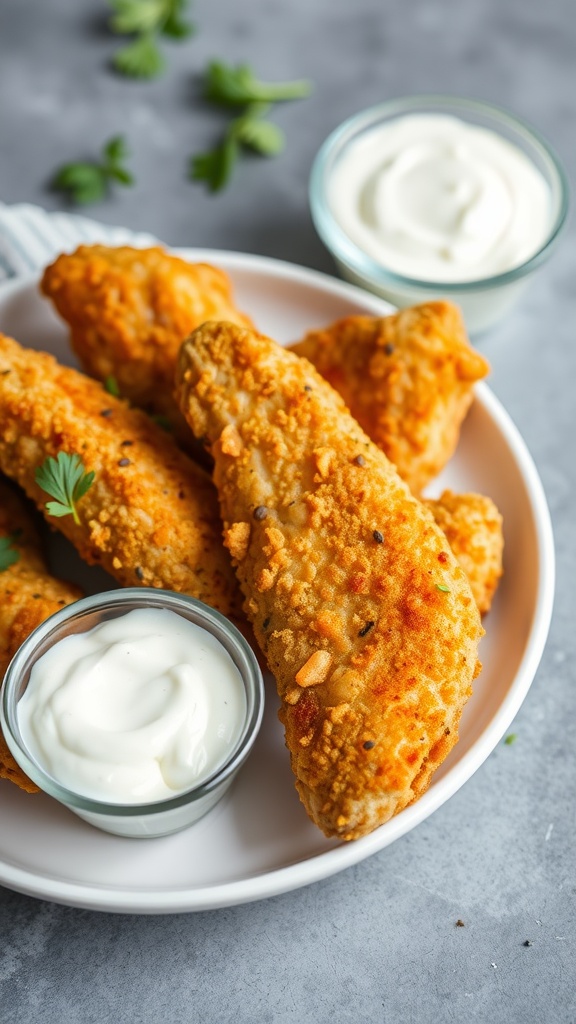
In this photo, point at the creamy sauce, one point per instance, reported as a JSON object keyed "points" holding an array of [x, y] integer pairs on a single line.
{"points": [[138, 709], [434, 198]]}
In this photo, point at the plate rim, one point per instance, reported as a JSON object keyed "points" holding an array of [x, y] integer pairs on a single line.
{"points": [[329, 862]]}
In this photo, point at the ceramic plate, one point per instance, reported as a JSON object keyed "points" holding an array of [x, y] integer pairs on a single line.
{"points": [[259, 842]]}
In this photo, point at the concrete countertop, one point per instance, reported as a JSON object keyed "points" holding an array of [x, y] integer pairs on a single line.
{"points": [[378, 942]]}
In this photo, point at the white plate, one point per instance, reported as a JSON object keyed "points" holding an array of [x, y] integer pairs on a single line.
{"points": [[259, 842]]}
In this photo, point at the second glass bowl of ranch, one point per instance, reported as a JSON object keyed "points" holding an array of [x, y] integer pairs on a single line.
{"points": [[134, 708], [437, 197]]}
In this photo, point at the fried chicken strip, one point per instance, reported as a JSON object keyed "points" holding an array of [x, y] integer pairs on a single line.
{"points": [[408, 380], [473, 528], [28, 595], [151, 516], [129, 311], [366, 618]]}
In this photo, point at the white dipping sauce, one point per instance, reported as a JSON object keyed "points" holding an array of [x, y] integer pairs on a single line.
{"points": [[140, 708], [431, 197]]}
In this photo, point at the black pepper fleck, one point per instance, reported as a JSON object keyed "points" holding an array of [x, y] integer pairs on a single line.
{"points": [[181, 495], [378, 537], [360, 460], [527, 942], [260, 512], [124, 462], [126, 444], [36, 596], [307, 387], [460, 923], [365, 629], [266, 623], [368, 744], [139, 572], [389, 348], [106, 412]]}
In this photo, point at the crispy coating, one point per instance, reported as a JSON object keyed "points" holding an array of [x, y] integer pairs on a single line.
{"points": [[473, 528], [28, 595], [151, 516], [341, 568], [129, 311], [408, 380]]}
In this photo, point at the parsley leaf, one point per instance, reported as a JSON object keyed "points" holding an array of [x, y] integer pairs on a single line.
{"points": [[236, 88], [8, 554], [89, 182], [111, 386], [65, 479], [146, 20]]}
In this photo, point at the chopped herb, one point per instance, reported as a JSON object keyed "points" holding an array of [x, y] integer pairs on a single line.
{"points": [[8, 553], [146, 20], [238, 88], [260, 512], [378, 537], [368, 744], [162, 421], [124, 462], [365, 629], [111, 386], [65, 479], [510, 739], [443, 588], [360, 460], [88, 182]]}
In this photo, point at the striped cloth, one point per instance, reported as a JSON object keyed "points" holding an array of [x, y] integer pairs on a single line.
{"points": [[30, 237]]}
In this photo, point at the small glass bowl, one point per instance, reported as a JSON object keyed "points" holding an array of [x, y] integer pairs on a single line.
{"points": [[136, 820], [483, 301]]}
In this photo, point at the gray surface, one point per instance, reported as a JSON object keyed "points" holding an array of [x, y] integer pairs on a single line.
{"points": [[378, 942]]}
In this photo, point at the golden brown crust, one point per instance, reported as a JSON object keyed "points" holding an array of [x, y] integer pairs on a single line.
{"points": [[408, 380], [341, 569], [473, 528], [129, 311], [151, 516], [28, 595]]}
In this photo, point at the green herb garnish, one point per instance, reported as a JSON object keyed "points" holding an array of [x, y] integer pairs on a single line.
{"points": [[88, 182], [65, 479], [111, 386], [146, 20], [510, 739], [8, 553], [443, 588], [235, 88]]}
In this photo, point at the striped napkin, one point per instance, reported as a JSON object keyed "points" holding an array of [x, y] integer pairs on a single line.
{"points": [[30, 237]]}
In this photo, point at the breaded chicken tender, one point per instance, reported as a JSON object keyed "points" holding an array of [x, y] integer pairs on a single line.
{"points": [[129, 311], [366, 618], [408, 380], [151, 516], [473, 528], [28, 595]]}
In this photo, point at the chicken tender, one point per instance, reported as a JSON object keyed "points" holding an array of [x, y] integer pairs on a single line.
{"points": [[473, 527], [151, 516], [129, 311], [365, 616], [408, 380], [28, 595]]}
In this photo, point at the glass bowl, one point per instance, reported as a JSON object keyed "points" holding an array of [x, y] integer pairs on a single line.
{"points": [[163, 816], [483, 301]]}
